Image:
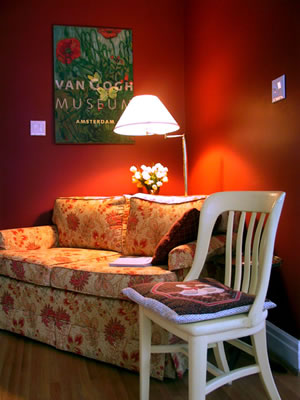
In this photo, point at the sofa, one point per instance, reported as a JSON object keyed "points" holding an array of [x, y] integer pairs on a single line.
{"points": [[57, 285]]}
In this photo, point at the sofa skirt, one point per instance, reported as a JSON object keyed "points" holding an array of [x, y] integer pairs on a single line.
{"points": [[103, 329]]}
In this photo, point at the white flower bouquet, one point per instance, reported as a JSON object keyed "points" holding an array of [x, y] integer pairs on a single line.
{"points": [[152, 178]]}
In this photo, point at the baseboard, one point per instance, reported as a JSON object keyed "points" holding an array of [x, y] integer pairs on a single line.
{"points": [[284, 346]]}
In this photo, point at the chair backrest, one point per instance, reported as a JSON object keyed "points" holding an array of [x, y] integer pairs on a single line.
{"points": [[251, 246]]}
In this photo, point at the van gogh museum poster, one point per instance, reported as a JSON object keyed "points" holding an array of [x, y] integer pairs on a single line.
{"points": [[93, 83]]}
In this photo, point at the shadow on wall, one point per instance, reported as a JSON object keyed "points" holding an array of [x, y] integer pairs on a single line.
{"points": [[44, 219], [281, 315]]}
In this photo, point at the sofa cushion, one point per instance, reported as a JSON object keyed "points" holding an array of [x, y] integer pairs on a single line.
{"points": [[35, 266], [96, 277], [149, 221], [192, 301], [155, 198], [90, 222], [184, 230]]}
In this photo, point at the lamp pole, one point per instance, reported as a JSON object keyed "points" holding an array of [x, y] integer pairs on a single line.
{"points": [[184, 153]]}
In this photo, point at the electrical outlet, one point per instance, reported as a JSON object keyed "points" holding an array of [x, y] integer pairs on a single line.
{"points": [[38, 128], [278, 89]]}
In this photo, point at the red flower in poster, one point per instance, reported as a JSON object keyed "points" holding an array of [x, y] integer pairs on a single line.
{"points": [[68, 50], [109, 33], [117, 60]]}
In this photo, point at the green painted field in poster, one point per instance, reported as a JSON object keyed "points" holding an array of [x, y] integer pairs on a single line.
{"points": [[93, 83]]}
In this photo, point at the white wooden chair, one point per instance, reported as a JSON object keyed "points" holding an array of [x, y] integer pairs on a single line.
{"points": [[253, 261]]}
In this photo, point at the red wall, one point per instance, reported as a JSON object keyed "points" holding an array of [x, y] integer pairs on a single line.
{"points": [[237, 138], [34, 170]]}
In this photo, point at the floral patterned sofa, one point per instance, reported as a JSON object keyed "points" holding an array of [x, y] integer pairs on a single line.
{"points": [[56, 284]]}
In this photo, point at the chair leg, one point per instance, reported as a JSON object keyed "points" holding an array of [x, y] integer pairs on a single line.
{"points": [[197, 368], [220, 356], [259, 344], [145, 354]]}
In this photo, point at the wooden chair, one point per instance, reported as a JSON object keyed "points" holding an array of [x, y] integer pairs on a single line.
{"points": [[261, 210]]}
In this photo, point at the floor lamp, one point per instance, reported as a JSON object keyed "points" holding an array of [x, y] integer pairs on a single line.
{"points": [[146, 115]]}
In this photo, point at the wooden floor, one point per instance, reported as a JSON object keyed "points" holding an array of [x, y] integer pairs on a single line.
{"points": [[33, 371]]}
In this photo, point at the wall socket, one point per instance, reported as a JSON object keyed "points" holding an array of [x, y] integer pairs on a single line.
{"points": [[38, 128], [278, 89]]}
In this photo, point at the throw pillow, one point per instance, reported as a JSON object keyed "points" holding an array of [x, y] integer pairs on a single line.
{"points": [[148, 221], [223, 220], [192, 301], [184, 230]]}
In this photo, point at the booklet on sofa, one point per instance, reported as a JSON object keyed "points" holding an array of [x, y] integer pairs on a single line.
{"points": [[133, 261]]}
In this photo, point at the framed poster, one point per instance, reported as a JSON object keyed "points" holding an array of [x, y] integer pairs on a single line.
{"points": [[93, 83]]}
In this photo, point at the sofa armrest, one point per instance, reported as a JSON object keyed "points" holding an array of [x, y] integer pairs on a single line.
{"points": [[32, 238], [182, 256]]}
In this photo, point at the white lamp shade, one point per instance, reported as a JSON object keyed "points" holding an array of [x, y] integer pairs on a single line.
{"points": [[145, 115]]}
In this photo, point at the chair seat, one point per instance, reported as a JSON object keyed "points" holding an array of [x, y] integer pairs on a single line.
{"points": [[224, 324]]}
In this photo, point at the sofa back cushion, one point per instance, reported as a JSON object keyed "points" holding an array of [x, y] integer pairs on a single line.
{"points": [[89, 222], [149, 220]]}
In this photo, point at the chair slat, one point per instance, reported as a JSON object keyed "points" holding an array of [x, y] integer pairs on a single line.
{"points": [[255, 254], [247, 254], [228, 255], [239, 253]]}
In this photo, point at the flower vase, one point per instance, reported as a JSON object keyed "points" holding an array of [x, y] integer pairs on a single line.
{"points": [[152, 191]]}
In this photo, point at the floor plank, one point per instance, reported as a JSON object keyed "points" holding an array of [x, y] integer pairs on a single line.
{"points": [[34, 371]]}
